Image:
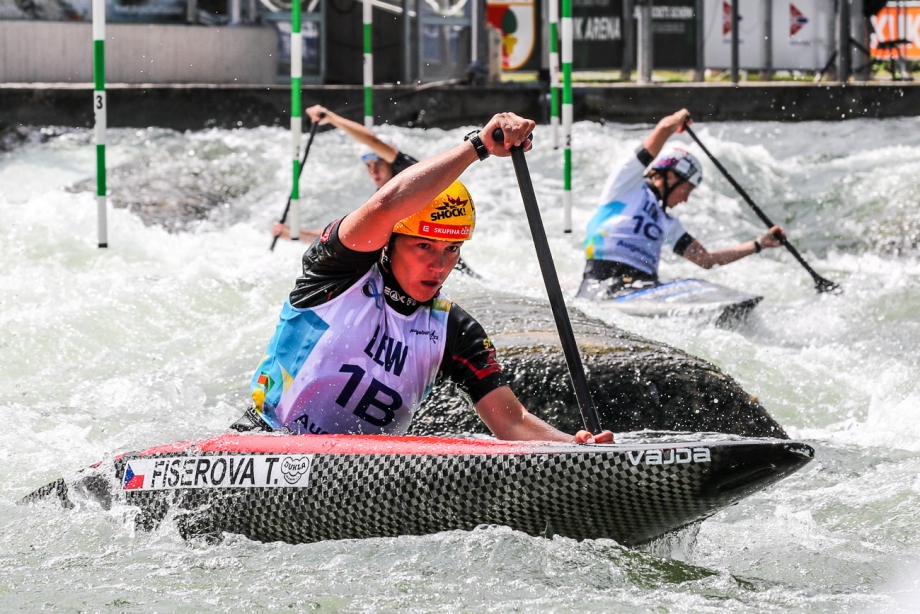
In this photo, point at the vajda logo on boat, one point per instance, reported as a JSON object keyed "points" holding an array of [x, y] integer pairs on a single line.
{"points": [[674, 456]]}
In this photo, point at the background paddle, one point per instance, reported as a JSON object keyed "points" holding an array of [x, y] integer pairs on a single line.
{"points": [[306, 152], [821, 284], [551, 279]]}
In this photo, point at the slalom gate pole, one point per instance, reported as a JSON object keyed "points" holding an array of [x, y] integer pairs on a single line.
{"points": [[368, 18], [296, 119], [567, 33], [303, 161], [99, 118], [554, 70]]}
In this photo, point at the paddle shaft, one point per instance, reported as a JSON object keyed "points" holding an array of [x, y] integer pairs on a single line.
{"points": [[553, 289], [287, 207], [823, 285]]}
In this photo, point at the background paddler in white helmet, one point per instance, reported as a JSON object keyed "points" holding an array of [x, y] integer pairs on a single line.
{"points": [[634, 218]]}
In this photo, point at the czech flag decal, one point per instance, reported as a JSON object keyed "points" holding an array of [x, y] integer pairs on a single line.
{"points": [[132, 480]]}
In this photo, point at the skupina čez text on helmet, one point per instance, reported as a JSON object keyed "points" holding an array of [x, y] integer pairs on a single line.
{"points": [[451, 216], [683, 163]]}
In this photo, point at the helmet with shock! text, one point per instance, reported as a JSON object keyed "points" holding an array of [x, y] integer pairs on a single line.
{"points": [[451, 216]]}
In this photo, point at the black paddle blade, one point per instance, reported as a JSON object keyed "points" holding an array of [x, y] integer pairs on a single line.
{"points": [[825, 285]]}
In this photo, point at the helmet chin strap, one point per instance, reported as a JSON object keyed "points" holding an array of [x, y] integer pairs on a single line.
{"points": [[667, 188]]}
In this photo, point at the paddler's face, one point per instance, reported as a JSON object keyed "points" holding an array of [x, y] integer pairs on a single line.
{"points": [[380, 171], [678, 195], [421, 265], [681, 193]]}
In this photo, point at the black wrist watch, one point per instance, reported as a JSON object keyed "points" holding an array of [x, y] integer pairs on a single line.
{"points": [[481, 151], [757, 246]]}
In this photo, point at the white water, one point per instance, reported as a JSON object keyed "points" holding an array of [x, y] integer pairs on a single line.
{"points": [[154, 339]]}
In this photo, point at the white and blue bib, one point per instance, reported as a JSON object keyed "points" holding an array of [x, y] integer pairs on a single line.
{"points": [[630, 226], [352, 364]]}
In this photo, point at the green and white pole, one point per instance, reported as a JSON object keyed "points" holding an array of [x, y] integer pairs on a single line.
{"points": [[99, 116], [296, 119], [368, 66], [554, 70], [567, 33]]}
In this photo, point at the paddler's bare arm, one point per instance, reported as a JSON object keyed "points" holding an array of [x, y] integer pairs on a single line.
{"points": [[369, 228], [698, 255], [321, 114], [503, 413], [675, 122]]}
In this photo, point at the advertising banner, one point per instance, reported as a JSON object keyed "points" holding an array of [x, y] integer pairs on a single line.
{"points": [[897, 24], [517, 21], [802, 35], [674, 32], [598, 34]]}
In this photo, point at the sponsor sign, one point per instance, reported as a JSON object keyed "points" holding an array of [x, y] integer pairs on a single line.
{"points": [[801, 35], [598, 33], [897, 23], [797, 21], [727, 21], [517, 22], [237, 471]]}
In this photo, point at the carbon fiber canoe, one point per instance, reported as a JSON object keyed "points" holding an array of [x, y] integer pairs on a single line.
{"points": [[685, 297], [320, 487]]}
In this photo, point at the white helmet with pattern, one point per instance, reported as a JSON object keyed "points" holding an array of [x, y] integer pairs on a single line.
{"points": [[683, 163]]}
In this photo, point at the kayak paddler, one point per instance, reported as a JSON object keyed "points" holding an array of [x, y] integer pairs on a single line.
{"points": [[379, 154], [366, 331], [634, 217]]}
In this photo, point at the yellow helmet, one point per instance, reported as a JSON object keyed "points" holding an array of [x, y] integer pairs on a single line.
{"points": [[451, 216]]}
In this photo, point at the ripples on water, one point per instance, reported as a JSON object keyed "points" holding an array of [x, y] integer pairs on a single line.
{"points": [[154, 339]]}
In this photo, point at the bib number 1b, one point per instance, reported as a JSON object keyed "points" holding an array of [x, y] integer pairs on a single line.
{"points": [[379, 402]]}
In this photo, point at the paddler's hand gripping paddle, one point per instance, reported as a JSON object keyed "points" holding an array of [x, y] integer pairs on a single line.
{"points": [[563, 325], [821, 284]]}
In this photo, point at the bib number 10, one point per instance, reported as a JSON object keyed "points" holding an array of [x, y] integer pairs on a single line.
{"points": [[651, 230], [379, 402]]}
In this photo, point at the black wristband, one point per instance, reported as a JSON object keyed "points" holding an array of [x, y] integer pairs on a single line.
{"points": [[757, 246], [481, 151], [644, 156]]}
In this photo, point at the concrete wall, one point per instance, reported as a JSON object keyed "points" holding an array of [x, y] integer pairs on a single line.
{"points": [[62, 52], [190, 107]]}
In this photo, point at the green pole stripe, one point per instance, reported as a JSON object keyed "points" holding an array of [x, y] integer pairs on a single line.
{"points": [[367, 38], [368, 101], [100, 170], [99, 65], [295, 97], [295, 16], [295, 189]]}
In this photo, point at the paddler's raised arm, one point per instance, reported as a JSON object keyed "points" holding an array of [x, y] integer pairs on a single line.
{"points": [[663, 130], [358, 132], [369, 227]]}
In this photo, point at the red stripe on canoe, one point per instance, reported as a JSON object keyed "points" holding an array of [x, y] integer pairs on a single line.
{"points": [[359, 444]]}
